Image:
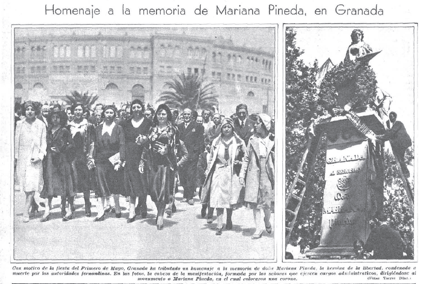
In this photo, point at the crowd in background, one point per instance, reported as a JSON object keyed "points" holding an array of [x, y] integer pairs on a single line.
{"points": [[137, 151]]}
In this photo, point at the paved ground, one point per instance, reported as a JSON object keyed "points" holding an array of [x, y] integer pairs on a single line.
{"points": [[185, 236]]}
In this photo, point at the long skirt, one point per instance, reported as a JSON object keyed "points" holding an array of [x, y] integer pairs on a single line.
{"points": [[84, 179], [58, 177], [265, 190], [161, 181], [108, 180]]}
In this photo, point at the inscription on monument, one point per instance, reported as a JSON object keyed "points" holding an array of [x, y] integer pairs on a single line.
{"points": [[345, 158], [338, 223]]}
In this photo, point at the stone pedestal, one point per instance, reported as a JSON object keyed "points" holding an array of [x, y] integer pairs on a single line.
{"points": [[353, 191]]}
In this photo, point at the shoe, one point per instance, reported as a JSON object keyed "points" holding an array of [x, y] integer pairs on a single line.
{"points": [[168, 212], [184, 200], [229, 225], [144, 215], [34, 209], [209, 220], [68, 218], [108, 209], [203, 212], [173, 208], [219, 231], [63, 213], [138, 210], [118, 215], [269, 228], [42, 204], [191, 202], [101, 218], [257, 235], [131, 220], [88, 210], [45, 219], [26, 219]]}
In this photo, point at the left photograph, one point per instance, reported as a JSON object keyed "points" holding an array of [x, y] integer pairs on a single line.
{"points": [[144, 143]]}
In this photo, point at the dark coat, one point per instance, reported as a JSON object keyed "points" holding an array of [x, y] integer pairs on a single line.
{"points": [[193, 138], [246, 131], [398, 136], [385, 242]]}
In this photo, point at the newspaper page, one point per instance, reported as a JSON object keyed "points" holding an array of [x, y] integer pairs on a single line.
{"points": [[252, 141]]}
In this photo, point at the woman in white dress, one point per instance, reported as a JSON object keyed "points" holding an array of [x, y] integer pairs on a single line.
{"points": [[221, 188], [30, 149], [257, 174]]}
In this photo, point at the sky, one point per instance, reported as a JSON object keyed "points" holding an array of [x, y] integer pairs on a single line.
{"points": [[394, 66]]}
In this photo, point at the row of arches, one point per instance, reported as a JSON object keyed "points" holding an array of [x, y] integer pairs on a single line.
{"points": [[136, 89]]}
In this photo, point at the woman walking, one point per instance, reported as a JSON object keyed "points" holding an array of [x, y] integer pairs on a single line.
{"points": [[160, 161], [109, 154], [135, 130], [30, 149], [58, 167], [257, 174], [82, 175], [221, 188]]}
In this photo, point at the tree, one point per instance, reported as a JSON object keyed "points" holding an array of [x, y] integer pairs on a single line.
{"points": [[85, 99], [189, 91], [301, 107]]}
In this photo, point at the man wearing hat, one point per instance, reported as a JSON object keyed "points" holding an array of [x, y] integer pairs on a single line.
{"points": [[244, 126]]}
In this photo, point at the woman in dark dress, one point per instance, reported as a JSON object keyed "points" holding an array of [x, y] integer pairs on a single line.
{"points": [[161, 161], [83, 176], [109, 154], [136, 130], [58, 167]]}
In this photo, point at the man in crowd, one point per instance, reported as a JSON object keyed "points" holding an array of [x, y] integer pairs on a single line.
{"points": [[192, 134], [244, 126], [384, 241], [44, 115], [215, 129], [399, 140], [207, 123]]}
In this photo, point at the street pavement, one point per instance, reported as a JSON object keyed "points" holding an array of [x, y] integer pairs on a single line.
{"points": [[186, 236]]}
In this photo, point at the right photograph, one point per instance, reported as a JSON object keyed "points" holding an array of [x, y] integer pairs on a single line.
{"points": [[350, 96]]}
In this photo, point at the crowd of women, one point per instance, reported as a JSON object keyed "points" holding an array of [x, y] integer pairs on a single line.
{"points": [[140, 153]]}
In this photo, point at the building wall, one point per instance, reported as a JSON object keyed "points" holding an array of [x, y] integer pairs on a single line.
{"points": [[121, 68]]}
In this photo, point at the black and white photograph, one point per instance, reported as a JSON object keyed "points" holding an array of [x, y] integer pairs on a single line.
{"points": [[350, 97], [144, 143]]}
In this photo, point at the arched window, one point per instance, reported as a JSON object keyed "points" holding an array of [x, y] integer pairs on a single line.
{"points": [[196, 52], [139, 52], [111, 86], [219, 57], [214, 57], [132, 52], [138, 91], [250, 94], [145, 52], [38, 86], [18, 86]]}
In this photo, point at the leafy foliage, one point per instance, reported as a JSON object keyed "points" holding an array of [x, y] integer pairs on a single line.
{"points": [[85, 99], [301, 107], [189, 91], [354, 81], [396, 203]]}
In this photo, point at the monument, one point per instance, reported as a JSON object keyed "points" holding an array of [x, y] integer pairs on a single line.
{"points": [[354, 158], [354, 185]]}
